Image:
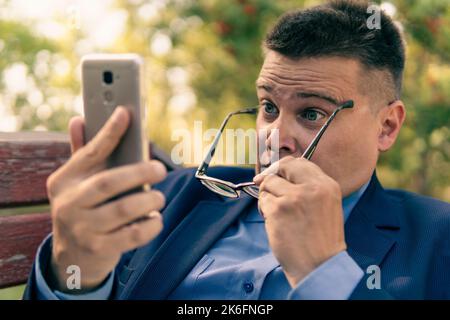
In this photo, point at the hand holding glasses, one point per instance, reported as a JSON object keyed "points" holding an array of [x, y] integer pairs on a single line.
{"points": [[231, 190]]}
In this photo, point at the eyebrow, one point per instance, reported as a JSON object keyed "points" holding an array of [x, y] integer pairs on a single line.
{"points": [[317, 95], [303, 94]]}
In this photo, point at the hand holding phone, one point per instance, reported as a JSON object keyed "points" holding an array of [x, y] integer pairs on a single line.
{"points": [[111, 80], [88, 230]]}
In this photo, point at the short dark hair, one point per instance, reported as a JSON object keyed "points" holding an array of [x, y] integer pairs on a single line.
{"points": [[339, 28]]}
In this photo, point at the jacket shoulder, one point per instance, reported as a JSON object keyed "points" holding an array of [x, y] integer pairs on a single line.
{"points": [[429, 217], [423, 205]]}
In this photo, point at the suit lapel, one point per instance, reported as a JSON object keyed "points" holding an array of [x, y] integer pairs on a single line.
{"points": [[184, 248], [367, 241], [365, 231]]}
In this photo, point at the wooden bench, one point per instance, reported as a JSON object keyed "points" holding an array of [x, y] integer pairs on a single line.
{"points": [[26, 160]]}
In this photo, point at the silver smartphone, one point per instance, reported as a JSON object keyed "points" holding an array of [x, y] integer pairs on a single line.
{"points": [[110, 80]]}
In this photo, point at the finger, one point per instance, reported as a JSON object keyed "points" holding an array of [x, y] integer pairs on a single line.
{"points": [[267, 204], [76, 131], [137, 234], [105, 141], [272, 169], [275, 185], [109, 183], [115, 214], [295, 170], [299, 170]]}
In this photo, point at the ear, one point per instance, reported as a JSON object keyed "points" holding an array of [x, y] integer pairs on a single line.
{"points": [[391, 120]]}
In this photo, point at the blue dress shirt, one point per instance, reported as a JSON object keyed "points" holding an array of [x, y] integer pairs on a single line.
{"points": [[241, 265]]}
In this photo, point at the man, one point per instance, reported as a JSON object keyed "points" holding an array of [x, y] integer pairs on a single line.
{"points": [[321, 229]]}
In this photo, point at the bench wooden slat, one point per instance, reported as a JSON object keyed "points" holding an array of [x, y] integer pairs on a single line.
{"points": [[19, 238], [28, 158]]}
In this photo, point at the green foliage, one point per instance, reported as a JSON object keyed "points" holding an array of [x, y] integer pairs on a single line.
{"points": [[13, 293], [20, 44], [215, 46], [420, 159]]}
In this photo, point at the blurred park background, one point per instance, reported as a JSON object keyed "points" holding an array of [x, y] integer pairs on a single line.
{"points": [[202, 59]]}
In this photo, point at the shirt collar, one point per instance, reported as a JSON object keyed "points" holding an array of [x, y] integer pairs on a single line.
{"points": [[348, 203]]}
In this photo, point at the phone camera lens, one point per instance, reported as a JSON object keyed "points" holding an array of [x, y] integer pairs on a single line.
{"points": [[108, 77]]}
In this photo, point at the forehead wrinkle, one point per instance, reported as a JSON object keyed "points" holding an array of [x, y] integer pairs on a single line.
{"points": [[297, 67], [292, 89], [331, 81]]}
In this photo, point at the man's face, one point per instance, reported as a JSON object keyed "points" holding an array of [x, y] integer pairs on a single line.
{"points": [[297, 96]]}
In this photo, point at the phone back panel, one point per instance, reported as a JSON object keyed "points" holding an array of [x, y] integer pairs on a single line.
{"points": [[100, 99]]}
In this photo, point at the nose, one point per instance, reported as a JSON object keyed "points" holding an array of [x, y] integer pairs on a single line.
{"points": [[282, 129]]}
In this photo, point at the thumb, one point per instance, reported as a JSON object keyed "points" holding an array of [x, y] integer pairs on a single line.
{"points": [[76, 131]]}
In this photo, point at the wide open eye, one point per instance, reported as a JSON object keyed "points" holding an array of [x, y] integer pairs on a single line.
{"points": [[312, 115], [269, 108]]}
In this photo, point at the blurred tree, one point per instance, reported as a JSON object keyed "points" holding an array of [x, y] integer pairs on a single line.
{"points": [[38, 82], [420, 160], [202, 60]]}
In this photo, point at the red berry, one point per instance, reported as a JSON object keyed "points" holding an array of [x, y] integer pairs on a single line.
{"points": [[249, 10], [433, 24], [223, 28]]}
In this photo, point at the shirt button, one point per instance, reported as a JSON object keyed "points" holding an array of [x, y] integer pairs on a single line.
{"points": [[248, 286]]}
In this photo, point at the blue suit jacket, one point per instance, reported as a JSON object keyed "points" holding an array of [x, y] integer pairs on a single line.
{"points": [[406, 235]]}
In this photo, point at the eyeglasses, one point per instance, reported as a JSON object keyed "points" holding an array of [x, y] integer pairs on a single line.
{"points": [[231, 190]]}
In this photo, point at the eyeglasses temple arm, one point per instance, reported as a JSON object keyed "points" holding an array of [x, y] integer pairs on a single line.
{"points": [[205, 164], [312, 146]]}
